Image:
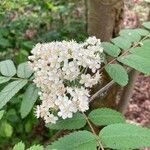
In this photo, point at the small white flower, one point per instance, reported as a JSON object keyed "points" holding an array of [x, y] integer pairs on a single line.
{"points": [[92, 40], [50, 118], [37, 111]]}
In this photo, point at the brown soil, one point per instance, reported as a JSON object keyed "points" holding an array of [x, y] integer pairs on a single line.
{"points": [[139, 107]]}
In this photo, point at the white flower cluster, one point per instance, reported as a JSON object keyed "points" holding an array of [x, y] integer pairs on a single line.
{"points": [[65, 72]]}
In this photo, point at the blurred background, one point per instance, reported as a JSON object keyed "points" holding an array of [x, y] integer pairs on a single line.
{"points": [[23, 23]]}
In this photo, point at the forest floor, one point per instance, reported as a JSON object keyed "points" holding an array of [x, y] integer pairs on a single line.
{"points": [[139, 108]]}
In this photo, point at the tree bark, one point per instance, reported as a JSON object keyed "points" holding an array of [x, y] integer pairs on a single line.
{"points": [[148, 18], [127, 92], [104, 18]]}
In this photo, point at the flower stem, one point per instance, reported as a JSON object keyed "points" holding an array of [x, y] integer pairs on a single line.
{"points": [[93, 131]]}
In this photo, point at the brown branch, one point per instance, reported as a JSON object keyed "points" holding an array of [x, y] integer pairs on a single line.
{"points": [[15, 78], [127, 92], [98, 93], [93, 131]]}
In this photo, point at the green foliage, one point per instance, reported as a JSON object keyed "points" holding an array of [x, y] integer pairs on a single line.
{"points": [[146, 43], [19, 146], [137, 62], [76, 122], [81, 140], [10, 90], [28, 126], [7, 68], [36, 147], [117, 73], [122, 42], [24, 70], [139, 58], [1, 114], [106, 116], [4, 42], [29, 99], [11, 115], [146, 25], [141, 31], [4, 79], [111, 49], [125, 136], [21, 56], [19, 32], [142, 51], [6, 130], [130, 35]]}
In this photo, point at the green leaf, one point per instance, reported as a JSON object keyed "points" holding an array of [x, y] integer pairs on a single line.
{"points": [[21, 56], [28, 126], [146, 25], [10, 90], [130, 34], [146, 43], [4, 31], [117, 73], [12, 115], [122, 42], [7, 68], [137, 62], [141, 32], [29, 98], [24, 70], [36, 147], [1, 114], [4, 42], [125, 136], [81, 140], [111, 49], [76, 122], [4, 79], [28, 44], [19, 146], [106, 116], [141, 51], [6, 130]]}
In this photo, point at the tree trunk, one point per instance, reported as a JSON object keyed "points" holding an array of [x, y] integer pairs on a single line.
{"points": [[104, 18], [127, 92], [148, 18]]}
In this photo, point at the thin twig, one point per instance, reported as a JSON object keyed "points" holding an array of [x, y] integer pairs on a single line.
{"points": [[106, 87], [98, 93], [93, 131], [15, 78]]}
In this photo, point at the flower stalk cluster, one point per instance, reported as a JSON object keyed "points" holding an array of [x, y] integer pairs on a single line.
{"points": [[65, 72]]}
